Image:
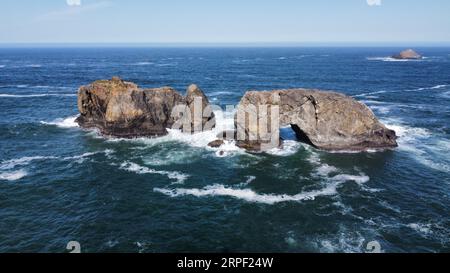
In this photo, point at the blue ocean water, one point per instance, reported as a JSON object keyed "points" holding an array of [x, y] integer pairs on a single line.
{"points": [[59, 183]]}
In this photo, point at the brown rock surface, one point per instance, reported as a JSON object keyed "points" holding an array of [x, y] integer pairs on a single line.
{"points": [[216, 143], [326, 120], [122, 109], [408, 54]]}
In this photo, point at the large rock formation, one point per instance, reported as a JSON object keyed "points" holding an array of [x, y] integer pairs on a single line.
{"points": [[326, 120], [122, 109], [408, 54], [200, 111]]}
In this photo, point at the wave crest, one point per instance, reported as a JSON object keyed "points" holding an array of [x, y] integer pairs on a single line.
{"points": [[63, 123]]}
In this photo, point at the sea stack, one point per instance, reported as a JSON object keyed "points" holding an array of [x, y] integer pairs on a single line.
{"points": [[408, 54], [122, 109], [326, 120]]}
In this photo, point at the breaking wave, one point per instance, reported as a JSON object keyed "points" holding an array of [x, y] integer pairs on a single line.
{"points": [[248, 194], [63, 123], [36, 95], [224, 121], [13, 175], [390, 59], [440, 86], [33, 65], [434, 87], [10, 164], [142, 63], [289, 147], [133, 167], [422, 145], [322, 170]]}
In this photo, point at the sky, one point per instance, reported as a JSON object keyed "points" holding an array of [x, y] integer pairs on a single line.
{"points": [[224, 21]]}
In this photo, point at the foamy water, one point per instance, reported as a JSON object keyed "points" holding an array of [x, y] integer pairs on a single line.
{"points": [[13, 175], [63, 122], [133, 167]]}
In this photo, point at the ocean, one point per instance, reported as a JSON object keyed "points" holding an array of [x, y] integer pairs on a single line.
{"points": [[59, 183]]}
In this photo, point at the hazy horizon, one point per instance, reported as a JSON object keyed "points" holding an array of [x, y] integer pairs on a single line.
{"points": [[175, 22], [230, 45]]}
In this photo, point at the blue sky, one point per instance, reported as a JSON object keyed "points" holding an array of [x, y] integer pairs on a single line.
{"points": [[225, 21]]}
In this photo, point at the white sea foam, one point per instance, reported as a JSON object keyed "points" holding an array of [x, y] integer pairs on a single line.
{"points": [[249, 195], [332, 179], [331, 173], [33, 65], [406, 133], [35, 95], [389, 59], [80, 158], [198, 140], [249, 180], [290, 239], [422, 228], [12, 163], [289, 147], [63, 123], [22, 96], [219, 93], [247, 76], [380, 109], [240, 61], [344, 240], [133, 167], [24, 161], [439, 86], [325, 170], [166, 64], [370, 93], [143, 63], [13, 175], [360, 179], [304, 56], [435, 87], [169, 156], [420, 143], [229, 148]]}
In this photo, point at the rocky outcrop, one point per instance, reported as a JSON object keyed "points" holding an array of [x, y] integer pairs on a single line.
{"points": [[122, 109], [216, 143], [408, 54], [199, 108], [326, 120]]}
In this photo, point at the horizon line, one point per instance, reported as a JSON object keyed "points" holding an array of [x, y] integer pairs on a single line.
{"points": [[229, 44]]}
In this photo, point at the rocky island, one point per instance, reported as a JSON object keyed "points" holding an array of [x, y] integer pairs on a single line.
{"points": [[408, 54], [324, 119], [122, 109]]}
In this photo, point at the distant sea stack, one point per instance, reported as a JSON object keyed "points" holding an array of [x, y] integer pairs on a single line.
{"points": [[408, 54], [122, 109]]}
